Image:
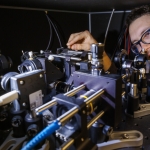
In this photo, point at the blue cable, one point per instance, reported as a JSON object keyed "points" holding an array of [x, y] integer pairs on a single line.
{"points": [[42, 135]]}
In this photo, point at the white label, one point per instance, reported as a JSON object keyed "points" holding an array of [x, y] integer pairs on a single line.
{"points": [[35, 99]]}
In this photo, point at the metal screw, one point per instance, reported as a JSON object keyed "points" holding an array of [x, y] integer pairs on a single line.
{"points": [[83, 111], [16, 122], [32, 132], [24, 104], [61, 137], [21, 82], [41, 51], [143, 106], [41, 75], [126, 136]]}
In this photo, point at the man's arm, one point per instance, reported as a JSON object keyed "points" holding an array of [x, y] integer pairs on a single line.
{"points": [[83, 41]]}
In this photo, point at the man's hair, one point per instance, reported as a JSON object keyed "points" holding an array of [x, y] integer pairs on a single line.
{"points": [[136, 13]]}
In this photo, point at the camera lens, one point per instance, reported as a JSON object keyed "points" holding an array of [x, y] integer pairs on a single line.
{"points": [[29, 65], [5, 82]]}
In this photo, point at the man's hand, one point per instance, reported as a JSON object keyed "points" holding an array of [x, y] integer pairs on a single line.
{"points": [[81, 41]]}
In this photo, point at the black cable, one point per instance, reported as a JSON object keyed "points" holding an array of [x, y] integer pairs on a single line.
{"points": [[56, 31], [51, 34], [60, 31]]}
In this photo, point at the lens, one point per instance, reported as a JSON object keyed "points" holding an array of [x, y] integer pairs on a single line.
{"points": [[5, 82], [62, 87], [146, 37], [29, 65]]}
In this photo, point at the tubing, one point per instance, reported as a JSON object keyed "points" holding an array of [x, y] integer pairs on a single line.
{"points": [[42, 135]]}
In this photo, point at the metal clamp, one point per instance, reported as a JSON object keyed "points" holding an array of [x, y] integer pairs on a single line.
{"points": [[143, 111], [122, 139], [12, 142]]}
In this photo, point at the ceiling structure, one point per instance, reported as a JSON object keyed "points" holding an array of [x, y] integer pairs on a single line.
{"points": [[74, 5]]}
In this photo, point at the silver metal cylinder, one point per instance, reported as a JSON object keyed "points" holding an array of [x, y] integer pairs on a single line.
{"points": [[30, 54], [94, 96], [75, 90], [127, 64], [87, 94], [72, 58], [78, 64], [97, 52], [67, 115], [45, 106], [133, 89], [89, 56], [99, 115]]}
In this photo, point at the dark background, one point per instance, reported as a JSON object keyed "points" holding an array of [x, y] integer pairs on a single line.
{"points": [[75, 5], [29, 29]]}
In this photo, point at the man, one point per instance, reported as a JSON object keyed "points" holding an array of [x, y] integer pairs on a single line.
{"points": [[138, 23]]}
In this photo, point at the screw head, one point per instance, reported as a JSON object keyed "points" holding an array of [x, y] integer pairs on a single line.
{"points": [[16, 122], [143, 106], [41, 75], [21, 82], [32, 132], [83, 112], [126, 136], [23, 104]]}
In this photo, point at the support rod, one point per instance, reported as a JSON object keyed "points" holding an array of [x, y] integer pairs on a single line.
{"points": [[40, 109], [94, 96], [75, 90], [67, 144], [67, 115], [99, 115]]}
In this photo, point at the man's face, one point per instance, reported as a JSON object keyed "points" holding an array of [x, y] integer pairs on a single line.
{"points": [[136, 30]]}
